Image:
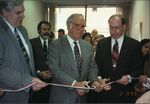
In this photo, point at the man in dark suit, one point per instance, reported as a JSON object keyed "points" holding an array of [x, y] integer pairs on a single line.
{"points": [[16, 58], [40, 47], [127, 66], [67, 68]]}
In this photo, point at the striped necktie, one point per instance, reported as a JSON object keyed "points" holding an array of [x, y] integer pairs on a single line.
{"points": [[26, 56], [115, 55]]}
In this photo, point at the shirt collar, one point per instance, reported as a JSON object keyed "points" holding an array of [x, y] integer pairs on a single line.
{"points": [[42, 40], [71, 40], [119, 39]]}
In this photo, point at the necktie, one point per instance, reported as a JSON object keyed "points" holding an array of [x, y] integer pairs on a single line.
{"points": [[115, 55], [45, 50], [26, 56], [78, 58]]}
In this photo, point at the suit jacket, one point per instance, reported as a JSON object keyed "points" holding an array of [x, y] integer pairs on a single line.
{"points": [[129, 63], [14, 71], [41, 96], [38, 52], [64, 69]]}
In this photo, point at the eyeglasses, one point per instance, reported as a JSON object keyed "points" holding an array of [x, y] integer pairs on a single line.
{"points": [[78, 25]]}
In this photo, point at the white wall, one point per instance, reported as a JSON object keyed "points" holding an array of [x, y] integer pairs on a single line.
{"points": [[140, 22], [34, 13]]}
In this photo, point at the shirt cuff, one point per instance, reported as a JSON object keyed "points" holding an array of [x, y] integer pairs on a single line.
{"points": [[74, 82], [130, 80], [38, 71], [148, 80], [99, 78]]}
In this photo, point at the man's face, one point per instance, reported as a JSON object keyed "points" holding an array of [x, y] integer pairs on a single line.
{"points": [[76, 28], [116, 27], [60, 34], [15, 16], [45, 31], [146, 49]]}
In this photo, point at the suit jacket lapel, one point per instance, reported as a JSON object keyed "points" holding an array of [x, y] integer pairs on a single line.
{"points": [[39, 43], [9, 32], [69, 54], [83, 53], [25, 36], [11, 35], [123, 50], [108, 53]]}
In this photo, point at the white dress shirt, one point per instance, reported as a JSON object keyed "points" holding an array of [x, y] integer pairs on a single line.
{"points": [[71, 42], [42, 41], [119, 40]]}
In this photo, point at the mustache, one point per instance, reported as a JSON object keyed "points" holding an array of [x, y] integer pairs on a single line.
{"points": [[46, 34]]}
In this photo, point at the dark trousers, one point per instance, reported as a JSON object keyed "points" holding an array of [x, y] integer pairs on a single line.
{"points": [[15, 98], [41, 96]]}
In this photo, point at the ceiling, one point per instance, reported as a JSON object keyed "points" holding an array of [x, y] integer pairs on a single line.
{"points": [[86, 2]]}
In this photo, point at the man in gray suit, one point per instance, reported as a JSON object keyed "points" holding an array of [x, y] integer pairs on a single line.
{"points": [[16, 69], [64, 64]]}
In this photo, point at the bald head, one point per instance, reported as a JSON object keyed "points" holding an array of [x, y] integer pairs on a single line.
{"points": [[119, 17]]}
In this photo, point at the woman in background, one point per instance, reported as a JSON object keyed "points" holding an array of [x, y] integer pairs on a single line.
{"points": [[87, 36]]}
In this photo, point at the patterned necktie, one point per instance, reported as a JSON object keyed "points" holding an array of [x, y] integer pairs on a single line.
{"points": [[45, 50], [78, 58], [115, 55], [26, 56]]}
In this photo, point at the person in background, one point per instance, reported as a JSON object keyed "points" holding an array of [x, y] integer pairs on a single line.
{"points": [[145, 78], [119, 58], [145, 48], [16, 58], [71, 61], [40, 50], [61, 33], [142, 86], [95, 41], [87, 36], [94, 33], [51, 36]]}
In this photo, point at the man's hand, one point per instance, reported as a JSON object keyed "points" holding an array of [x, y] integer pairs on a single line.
{"points": [[143, 79], [38, 84], [98, 85], [1, 92], [81, 92], [106, 86], [124, 80], [139, 87], [45, 74]]}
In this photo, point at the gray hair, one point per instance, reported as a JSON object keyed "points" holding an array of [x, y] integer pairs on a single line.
{"points": [[9, 4], [71, 17]]}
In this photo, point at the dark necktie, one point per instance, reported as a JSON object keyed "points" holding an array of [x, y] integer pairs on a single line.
{"points": [[45, 50], [115, 54], [78, 58], [22, 46]]}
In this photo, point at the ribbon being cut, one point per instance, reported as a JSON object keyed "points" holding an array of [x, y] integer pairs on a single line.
{"points": [[52, 84], [87, 87]]}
